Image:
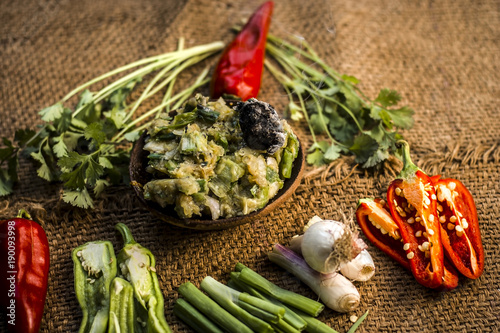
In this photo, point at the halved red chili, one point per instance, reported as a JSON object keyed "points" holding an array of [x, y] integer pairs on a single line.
{"points": [[460, 233], [379, 227], [412, 203]]}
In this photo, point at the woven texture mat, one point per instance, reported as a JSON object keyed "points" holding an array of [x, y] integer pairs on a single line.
{"points": [[442, 56]]}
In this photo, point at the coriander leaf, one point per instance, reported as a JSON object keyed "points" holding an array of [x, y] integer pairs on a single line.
{"points": [[379, 156], [321, 145], [315, 158], [22, 137], [364, 146], [352, 101], [388, 97], [105, 163], [75, 179], [64, 121], [71, 140], [78, 124], [67, 163], [132, 136], [296, 113], [319, 122], [116, 117], [402, 118], [332, 153], [94, 132], [93, 171], [77, 198], [52, 112], [8, 151], [60, 148], [90, 112], [6, 183], [378, 113], [44, 171], [100, 185]]}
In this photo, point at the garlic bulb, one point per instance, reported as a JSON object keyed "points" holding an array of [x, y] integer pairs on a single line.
{"points": [[327, 244]]}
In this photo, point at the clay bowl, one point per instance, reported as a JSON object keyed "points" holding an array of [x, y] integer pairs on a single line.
{"points": [[139, 177]]}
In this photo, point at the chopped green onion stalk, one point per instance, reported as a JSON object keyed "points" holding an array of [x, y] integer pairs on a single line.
{"points": [[211, 309], [195, 319], [290, 298]]}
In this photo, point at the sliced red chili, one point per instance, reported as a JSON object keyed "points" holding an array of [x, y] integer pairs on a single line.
{"points": [[239, 70], [460, 232], [379, 227], [412, 203]]}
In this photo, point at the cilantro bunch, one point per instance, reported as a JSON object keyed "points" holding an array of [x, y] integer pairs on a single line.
{"points": [[333, 106], [88, 147]]}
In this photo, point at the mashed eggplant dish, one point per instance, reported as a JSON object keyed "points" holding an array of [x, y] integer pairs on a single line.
{"points": [[211, 159]]}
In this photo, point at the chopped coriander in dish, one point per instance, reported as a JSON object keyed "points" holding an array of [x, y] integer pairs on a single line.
{"points": [[212, 159]]}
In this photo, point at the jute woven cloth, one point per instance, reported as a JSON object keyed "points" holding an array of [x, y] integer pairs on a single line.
{"points": [[442, 56]]}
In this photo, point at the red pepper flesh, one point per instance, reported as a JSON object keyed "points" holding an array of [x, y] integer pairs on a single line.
{"points": [[412, 203], [379, 227], [460, 232], [24, 259], [239, 70]]}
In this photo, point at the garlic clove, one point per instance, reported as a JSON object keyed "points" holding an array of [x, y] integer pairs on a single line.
{"points": [[361, 268]]}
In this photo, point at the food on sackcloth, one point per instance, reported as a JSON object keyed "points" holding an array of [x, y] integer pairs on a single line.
{"points": [[211, 159]]}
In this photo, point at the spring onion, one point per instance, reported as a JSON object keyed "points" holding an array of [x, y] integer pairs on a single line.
{"points": [[211, 309], [337, 292], [195, 319], [260, 283]]}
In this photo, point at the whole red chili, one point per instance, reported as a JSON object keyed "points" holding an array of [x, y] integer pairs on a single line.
{"points": [[460, 233], [379, 227], [239, 70], [24, 262], [412, 202]]}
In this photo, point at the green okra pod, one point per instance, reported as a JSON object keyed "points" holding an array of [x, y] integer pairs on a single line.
{"points": [[137, 265], [94, 268], [122, 318]]}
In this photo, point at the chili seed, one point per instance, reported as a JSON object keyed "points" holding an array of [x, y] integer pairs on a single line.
{"points": [[427, 201], [465, 224], [382, 202], [418, 219], [397, 235], [395, 203], [411, 220], [451, 226], [430, 232], [425, 245], [383, 231], [418, 233], [442, 219], [459, 230], [433, 196], [420, 247], [453, 219], [440, 208], [410, 255], [431, 218], [425, 234], [398, 191], [452, 185], [406, 247]]}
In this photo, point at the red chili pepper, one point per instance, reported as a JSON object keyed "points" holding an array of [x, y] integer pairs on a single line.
{"points": [[379, 227], [412, 203], [460, 233], [239, 70], [24, 262]]}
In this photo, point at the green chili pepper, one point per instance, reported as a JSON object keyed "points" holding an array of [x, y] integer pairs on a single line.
{"points": [[94, 269], [137, 265], [121, 307]]}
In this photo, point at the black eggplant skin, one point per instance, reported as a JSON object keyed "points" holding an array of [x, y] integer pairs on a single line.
{"points": [[261, 125]]}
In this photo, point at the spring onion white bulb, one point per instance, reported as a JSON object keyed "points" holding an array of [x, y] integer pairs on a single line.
{"points": [[337, 292], [361, 268]]}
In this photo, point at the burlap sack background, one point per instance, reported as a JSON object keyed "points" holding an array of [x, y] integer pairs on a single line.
{"points": [[442, 56]]}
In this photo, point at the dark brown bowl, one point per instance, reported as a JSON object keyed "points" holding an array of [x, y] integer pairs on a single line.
{"points": [[139, 177]]}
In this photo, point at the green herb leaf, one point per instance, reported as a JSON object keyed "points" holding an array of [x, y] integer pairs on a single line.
{"points": [[364, 146], [332, 153], [78, 198], [132, 136], [315, 158], [52, 112], [402, 117], [94, 132], [388, 97], [100, 186]]}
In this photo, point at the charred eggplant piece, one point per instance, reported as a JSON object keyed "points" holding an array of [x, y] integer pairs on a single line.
{"points": [[261, 125]]}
